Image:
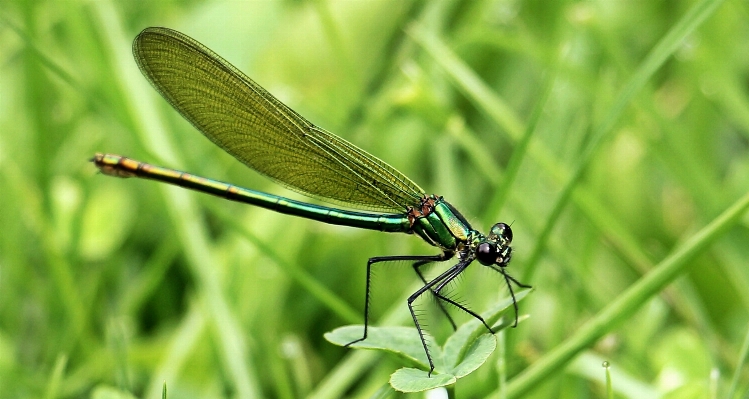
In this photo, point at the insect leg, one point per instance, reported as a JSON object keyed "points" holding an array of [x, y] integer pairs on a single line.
{"points": [[379, 259]]}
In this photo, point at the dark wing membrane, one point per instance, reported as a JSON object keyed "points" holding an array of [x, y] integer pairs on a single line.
{"points": [[249, 123]]}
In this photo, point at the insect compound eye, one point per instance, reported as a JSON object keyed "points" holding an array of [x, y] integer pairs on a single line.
{"points": [[503, 231], [486, 253]]}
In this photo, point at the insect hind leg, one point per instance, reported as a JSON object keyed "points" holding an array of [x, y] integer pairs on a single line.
{"points": [[418, 259], [438, 293]]}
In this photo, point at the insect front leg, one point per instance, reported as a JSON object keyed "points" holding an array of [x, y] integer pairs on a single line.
{"points": [[439, 280], [417, 266], [437, 292], [509, 279]]}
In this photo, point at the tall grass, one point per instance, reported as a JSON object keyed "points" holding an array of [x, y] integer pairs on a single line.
{"points": [[614, 136]]}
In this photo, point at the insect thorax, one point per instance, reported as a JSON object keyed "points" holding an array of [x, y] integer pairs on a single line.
{"points": [[439, 224]]}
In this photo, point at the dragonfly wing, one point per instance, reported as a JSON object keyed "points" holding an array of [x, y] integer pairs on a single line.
{"points": [[246, 121]]}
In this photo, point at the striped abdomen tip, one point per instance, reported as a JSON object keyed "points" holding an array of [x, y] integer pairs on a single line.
{"points": [[112, 165]]}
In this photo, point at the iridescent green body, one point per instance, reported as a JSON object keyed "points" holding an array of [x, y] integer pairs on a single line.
{"points": [[441, 226], [120, 166], [246, 121]]}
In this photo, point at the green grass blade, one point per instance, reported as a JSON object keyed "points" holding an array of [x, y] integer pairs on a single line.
{"points": [[499, 110], [53, 387], [180, 346], [629, 301], [190, 229], [660, 53], [609, 387], [513, 166], [743, 354], [304, 279], [478, 92]]}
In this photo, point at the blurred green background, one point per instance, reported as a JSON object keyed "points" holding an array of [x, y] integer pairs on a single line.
{"points": [[110, 284]]}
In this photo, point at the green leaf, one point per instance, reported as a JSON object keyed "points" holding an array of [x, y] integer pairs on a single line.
{"points": [[401, 341], [476, 355], [463, 352], [413, 380], [458, 343]]}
